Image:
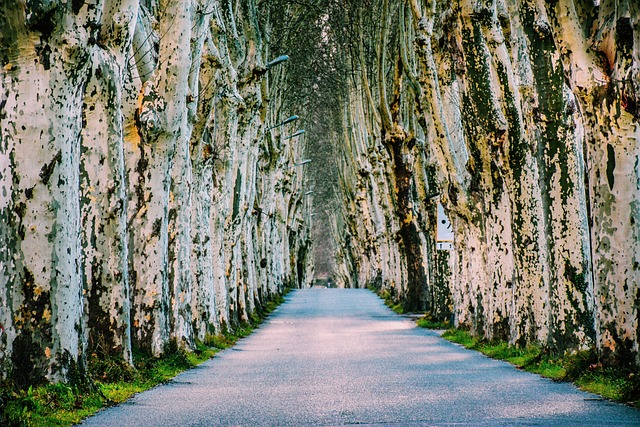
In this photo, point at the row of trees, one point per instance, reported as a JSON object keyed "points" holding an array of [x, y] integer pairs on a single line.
{"points": [[145, 195], [521, 118]]}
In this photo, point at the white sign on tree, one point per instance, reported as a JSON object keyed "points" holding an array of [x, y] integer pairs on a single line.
{"points": [[444, 231]]}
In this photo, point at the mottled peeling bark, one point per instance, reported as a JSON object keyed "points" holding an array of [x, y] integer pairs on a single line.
{"points": [[124, 128], [530, 123]]}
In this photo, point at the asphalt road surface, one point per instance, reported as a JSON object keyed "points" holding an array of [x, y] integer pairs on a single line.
{"points": [[333, 357]]}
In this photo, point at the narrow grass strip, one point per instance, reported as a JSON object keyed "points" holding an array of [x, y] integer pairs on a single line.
{"points": [[113, 380], [389, 300], [583, 368]]}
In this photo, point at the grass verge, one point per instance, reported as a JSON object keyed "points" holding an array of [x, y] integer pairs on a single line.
{"points": [[428, 322], [388, 299], [583, 368], [113, 381]]}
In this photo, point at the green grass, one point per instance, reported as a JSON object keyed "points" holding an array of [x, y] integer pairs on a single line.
{"points": [[389, 300], [581, 368], [428, 323], [64, 405], [113, 380]]}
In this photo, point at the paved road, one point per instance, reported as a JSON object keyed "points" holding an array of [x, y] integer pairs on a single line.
{"points": [[330, 357]]}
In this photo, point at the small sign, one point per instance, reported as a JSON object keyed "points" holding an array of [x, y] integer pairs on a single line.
{"points": [[444, 231], [444, 246]]}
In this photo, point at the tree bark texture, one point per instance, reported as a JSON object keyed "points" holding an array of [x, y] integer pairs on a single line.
{"points": [[521, 118], [129, 170], [147, 195]]}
